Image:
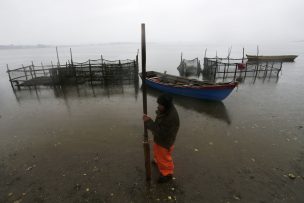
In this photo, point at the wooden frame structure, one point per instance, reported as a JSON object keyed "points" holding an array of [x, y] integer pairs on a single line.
{"points": [[92, 71], [224, 68]]}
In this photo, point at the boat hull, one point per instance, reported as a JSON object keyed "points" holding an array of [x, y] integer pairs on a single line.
{"points": [[283, 58], [209, 93]]}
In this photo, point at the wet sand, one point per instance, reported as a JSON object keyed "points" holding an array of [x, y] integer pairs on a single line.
{"points": [[83, 144]]}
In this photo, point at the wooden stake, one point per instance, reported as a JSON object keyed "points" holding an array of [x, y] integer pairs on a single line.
{"points": [[102, 70], [90, 69], [215, 67], [43, 68], [234, 77], [24, 72], [229, 52], [243, 55], [281, 65], [31, 72], [146, 141], [34, 69], [9, 76], [58, 62], [245, 70], [71, 56]]}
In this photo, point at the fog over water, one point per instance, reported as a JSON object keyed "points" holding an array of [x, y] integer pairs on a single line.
{"points": [[84, 22]]}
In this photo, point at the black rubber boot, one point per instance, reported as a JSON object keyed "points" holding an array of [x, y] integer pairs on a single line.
{"points": [[164, 179]]}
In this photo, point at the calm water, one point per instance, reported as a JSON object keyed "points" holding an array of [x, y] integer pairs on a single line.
{"points": [[247, 144]]}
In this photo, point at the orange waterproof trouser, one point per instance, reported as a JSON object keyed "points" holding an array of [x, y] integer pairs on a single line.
{"points": [[163, 159]]}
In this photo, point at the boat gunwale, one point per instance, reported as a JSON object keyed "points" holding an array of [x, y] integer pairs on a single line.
{"points": [[283, 58], [215, 86]]}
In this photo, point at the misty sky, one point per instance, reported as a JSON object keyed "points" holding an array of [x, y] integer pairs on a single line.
{"points": [[101, 21]]}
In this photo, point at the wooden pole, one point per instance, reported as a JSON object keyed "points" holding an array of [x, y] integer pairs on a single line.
{"points": [[215, 67], [34, 69], [90, 69], [243, 55], [280, 69], [102, 70], [224, 71], [271, 69], [24, 72], [234, 77], [245, 70], [257, 65], [52, 73], [266, 69], [72, 64], [43, 69], [58, 62], [31, 72], [71, 56], [146, 141], [9, 76], [136, 68]]}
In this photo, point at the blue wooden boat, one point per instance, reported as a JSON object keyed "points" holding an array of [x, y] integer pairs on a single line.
{"points": [[189, 87]]}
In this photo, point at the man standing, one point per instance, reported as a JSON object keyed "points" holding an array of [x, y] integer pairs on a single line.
{"points": [[164, 130]]}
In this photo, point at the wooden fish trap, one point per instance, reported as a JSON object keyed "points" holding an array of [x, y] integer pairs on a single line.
{"points": [[95, 72], [216, 69]]}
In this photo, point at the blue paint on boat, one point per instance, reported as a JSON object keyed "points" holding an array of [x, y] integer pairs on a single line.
{"points": [[217, 94]]}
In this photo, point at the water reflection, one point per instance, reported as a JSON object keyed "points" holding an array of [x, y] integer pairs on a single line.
{"points": [[108, 89], [214, 109]]}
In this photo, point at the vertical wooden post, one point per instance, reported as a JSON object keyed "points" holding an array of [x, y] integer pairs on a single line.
{"points": [[146, 141], [271, 69], [9, 76], [24, 72], [71, 56], [281, 65], [227, 70], [52, 73], [228, 58], [90, 69], [66, 72], [243, 55], [257, 65], [118, 70], [224, 71], [34, 69], [245, 70], [181, 57], [199, 70], [136, 67], [31, 71], [72, 68], [266, 69], [134, 70], [58, 62], [234, 77], [216, 64], [137, 64], [102, 79], [43, 69]]}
